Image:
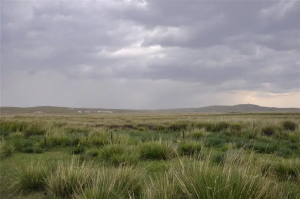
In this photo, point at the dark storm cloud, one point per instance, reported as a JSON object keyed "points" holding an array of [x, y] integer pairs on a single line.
{"points": [[220, 45]]}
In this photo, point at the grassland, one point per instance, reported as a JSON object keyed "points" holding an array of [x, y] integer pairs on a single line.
{"points": [[161, 156]]}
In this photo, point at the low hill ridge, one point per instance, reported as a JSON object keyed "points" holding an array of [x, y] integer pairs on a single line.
{"points": [[208, 109]]}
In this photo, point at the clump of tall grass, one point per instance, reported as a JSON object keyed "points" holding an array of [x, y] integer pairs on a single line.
{"points": [[157, 151], [236, 127], [120, 154], [289, 125], [268, 130], [124, 139], [79, 149], [96, 137], [30, 178], [194, 179], [67, 180], [123, 183], [178, 126], [206, 181], [58, 137], [35, 128], [93, 153], [284, 170], [163, 187], [14, 126], [6, 149], [190, 148], [197, 133]]}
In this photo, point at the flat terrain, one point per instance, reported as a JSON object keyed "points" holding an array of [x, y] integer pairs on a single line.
{"points": [[150, 155]]}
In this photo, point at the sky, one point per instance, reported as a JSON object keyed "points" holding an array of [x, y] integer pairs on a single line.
{"points": [[150, 54]]}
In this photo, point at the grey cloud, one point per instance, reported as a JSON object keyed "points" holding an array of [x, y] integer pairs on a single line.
{"points": [[222, 46]]}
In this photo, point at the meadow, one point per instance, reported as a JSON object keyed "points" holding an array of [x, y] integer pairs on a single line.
{"points": [[151, 156]]}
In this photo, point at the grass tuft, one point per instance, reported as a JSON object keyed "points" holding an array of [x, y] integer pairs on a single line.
{"points": [[30, 178], [156, 151]]}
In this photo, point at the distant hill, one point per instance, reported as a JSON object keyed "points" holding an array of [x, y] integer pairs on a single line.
{"points": [[60, 110], [240, 108]]}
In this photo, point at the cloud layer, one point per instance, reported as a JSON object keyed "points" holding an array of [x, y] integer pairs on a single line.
{"points": [[150, 54]]}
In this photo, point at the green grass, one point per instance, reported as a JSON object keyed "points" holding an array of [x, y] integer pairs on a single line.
{"points": [[156, 151], [151, 156]]}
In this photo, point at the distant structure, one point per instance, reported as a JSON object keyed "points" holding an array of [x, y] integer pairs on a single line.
{"points": [[87, 111], [79, 112], [38, 112], [104, 111], [70, 108]]}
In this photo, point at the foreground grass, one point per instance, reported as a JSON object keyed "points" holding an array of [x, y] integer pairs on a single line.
{"points": [[138, 156]]}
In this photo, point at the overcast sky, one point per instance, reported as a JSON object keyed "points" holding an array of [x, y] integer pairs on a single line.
{"points": [[148, 54]]}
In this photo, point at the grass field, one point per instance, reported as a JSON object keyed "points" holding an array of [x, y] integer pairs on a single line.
{"points": [[161, 156]]}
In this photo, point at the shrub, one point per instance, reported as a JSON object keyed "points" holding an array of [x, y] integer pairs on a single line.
{"points": [[268, 130], [31, 178], [289, 125], [156, 151], [190, 148]]}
